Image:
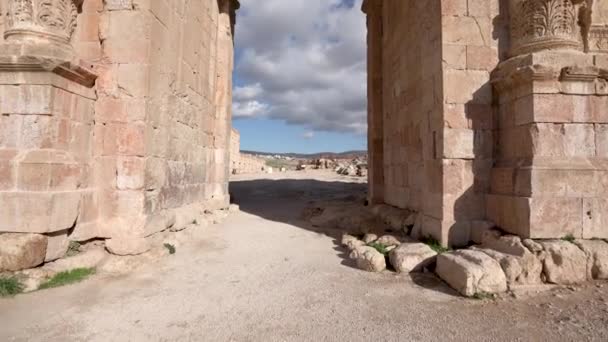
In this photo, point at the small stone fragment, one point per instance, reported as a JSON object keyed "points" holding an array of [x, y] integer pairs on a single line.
{"points": [[368, 259], [369, 238], [412, 257], [388, 240]]}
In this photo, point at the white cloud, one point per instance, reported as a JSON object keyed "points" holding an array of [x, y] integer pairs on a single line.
{"points": [[247, 109], [308, 135], [302, 61]]}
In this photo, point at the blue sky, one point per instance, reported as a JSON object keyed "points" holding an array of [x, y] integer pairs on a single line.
{"points": [[300, 82]]}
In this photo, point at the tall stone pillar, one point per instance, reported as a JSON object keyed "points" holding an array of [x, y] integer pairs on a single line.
{"points": [[46, 116], [550, 175], [218, 178], [375, 126]]}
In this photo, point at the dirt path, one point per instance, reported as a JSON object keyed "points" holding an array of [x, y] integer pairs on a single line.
{"points": [[264, 275]]}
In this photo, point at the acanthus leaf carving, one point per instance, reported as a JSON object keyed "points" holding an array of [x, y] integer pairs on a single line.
{"points": [[53, 20], [545, 24]]}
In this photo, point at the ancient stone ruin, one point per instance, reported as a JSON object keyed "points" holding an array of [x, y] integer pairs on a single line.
{"points": [[115, 122], [490, 110], [115, 118]]}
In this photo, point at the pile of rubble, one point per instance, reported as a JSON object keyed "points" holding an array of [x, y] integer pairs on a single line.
{"points": [[356, 167], [497, 263]]}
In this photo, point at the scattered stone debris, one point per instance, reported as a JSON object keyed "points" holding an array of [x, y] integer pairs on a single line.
{"points": [[498, 262]]}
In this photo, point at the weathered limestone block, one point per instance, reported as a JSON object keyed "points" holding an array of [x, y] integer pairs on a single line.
{"points": [[21, 251], [388, 240], [351, 242], [368, 259], [369, 238], [127, 245], [57, 246], [565, 263], [471, 272], [158, 222], [597, 257], [509, 250], [412, 257]]}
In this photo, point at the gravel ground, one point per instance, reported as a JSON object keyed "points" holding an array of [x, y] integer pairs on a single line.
{"points": [[265, 275]]}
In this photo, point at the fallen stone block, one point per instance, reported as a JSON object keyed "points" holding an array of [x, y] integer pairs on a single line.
{"points": [[565, 263], [520, 264], [368, 259], [471, 272], [412, 257], [21, 251], [524, 270], [597, 257], [388, 240], [369, 238]]}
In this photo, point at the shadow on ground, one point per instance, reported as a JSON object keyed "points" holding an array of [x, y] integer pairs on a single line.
{"points": [[285, 200]]}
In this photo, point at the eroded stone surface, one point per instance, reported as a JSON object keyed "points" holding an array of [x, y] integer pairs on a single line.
{"points": [[57, 246], [565, 263], [597, 257], [368, 259], [127, 245], [411, 257], [471, 272], [21, 251]]}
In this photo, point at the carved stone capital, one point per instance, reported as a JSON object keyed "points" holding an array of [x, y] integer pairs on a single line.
{"points": [[42, 21], [545, 24], [598, 39]]}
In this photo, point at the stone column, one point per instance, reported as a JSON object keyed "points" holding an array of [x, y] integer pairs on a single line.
{"points": [[375, 136], [46, 115], [223, 101], [550, 168]]}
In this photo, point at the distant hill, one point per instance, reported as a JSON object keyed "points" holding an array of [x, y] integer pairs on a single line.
{"points": [[326, 155]]}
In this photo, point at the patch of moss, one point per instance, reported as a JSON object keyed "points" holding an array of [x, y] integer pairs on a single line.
{"points": [[68, 277], [10, 286], [383, 249], [170, 248], [483, 296], [434, 244], [73, 249], [569, 238]]}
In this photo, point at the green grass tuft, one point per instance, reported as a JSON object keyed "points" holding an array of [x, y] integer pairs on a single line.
{"points": [[170, 248], [434, 244], [68, 277], [569, 238], [10, 286], [383, 249], [483, 296]]}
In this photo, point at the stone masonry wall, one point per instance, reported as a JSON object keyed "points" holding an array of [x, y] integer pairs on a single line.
{"points": [[242, 162], [474, 39], [411, 101], [150, 141]]}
